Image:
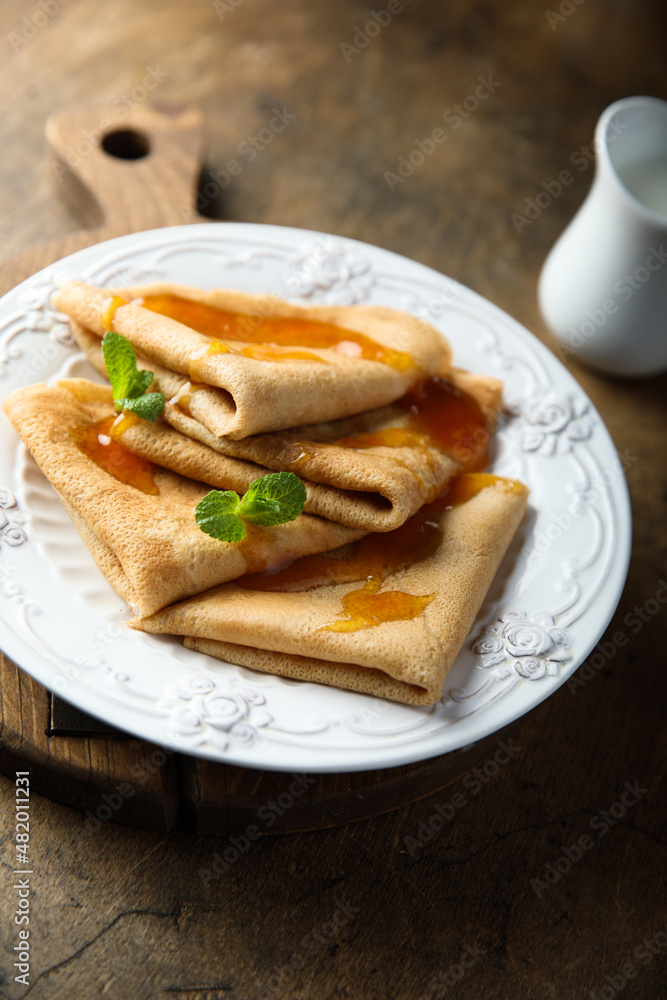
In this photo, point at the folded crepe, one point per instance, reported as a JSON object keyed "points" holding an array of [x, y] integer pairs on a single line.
{"points": [[386, 615], [370, 471], [270, 364], [138, 520]]}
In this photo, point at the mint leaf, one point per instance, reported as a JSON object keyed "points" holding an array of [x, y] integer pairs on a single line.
{"points": [[148, 407], [141, 382], [273, 499], [120, 362], [127, 382], [216, 515]]}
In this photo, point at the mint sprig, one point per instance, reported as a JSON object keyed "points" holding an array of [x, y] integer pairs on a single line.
{"points": [[217, 516], [128, 383], [148, 407], [273, 499]]}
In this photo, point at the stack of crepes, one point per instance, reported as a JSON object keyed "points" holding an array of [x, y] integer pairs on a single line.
{"points": [[376, 585]]}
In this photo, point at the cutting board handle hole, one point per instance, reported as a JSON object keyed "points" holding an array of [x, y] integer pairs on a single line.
{"points": [[126, 144]]}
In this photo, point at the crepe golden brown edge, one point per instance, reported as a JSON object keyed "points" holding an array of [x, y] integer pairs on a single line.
{"points": [[287, 633], [375, 489], [148, 546], [273, 395]]}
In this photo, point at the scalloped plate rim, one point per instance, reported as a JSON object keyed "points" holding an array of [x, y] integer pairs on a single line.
{"points": [[384, 755]]}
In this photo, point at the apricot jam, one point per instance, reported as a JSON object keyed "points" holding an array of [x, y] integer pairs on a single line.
{"points": [[108, 315], [366, 608], [101, 443], [440, 416], [272, 338]]}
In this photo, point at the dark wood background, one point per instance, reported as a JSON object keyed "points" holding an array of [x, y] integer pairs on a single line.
{"points": [[361, 912]]}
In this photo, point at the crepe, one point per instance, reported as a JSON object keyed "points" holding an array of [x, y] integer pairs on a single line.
{"points": [[383, 473], [397, 634], [265, 378], [142, 531]]}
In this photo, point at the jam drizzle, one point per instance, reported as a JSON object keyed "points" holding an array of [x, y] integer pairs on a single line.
{"points": [[101, 443], [110, 310], [440, 416], [367, 609], [268, 338]]}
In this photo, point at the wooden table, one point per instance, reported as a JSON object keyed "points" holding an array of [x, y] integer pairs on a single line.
{"points": [[379, 909]]}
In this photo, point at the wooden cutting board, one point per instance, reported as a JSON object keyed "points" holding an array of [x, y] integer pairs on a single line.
{"points": [[128, 191], [144, 176]]}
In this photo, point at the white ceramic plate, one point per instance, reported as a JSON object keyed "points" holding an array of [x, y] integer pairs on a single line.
{"points": [[550, 602]]}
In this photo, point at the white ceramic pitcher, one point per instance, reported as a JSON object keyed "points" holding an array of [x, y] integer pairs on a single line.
{"points": [[603, 287]]}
